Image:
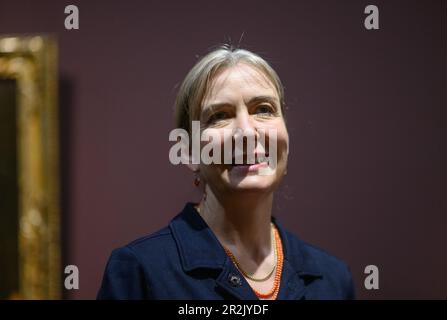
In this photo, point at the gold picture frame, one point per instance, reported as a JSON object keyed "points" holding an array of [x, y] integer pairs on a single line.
{"points": [[31, 63]]}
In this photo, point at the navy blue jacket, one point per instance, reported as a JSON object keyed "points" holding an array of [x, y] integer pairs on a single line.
{"points": [[186, 261]]}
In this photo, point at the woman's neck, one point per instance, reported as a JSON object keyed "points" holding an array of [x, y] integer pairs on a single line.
{"points": [[242, 223]]}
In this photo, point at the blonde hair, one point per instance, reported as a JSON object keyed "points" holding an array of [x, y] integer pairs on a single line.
{"points": [[197, 81]]}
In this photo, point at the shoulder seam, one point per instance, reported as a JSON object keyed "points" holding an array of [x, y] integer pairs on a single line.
{"points": [[148, 237]]}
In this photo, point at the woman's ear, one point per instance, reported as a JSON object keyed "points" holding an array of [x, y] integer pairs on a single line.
{"points": [[193, 167], [187, 155], [187, 158]]}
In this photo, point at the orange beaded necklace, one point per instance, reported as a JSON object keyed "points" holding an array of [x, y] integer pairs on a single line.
{"points": [[273, 293]]}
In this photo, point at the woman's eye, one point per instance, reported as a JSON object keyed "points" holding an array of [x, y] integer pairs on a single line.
{"points": [[264, 109], [218, 116]]}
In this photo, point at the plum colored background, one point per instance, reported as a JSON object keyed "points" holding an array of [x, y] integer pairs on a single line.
{"points": [[366, 117]]}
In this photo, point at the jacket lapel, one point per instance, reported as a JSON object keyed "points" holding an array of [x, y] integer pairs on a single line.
{"points": [[199, 248], [298, 272]]}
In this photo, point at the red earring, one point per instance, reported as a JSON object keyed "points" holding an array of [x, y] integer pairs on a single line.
{"points": [[197, 181]]}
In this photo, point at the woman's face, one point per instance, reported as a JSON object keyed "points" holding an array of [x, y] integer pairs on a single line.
{"points": [[241, 99]]}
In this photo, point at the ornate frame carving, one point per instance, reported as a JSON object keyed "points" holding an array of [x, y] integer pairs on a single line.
{"points": [[31, 62]]}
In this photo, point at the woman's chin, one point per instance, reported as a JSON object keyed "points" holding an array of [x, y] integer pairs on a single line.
{"points": [[250, 182]]}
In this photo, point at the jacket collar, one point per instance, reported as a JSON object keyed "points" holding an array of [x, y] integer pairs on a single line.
{"points": [[197, 244], [199, 248]]}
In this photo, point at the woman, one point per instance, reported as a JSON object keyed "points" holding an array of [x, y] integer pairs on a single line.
{"points": [[229, 246]]}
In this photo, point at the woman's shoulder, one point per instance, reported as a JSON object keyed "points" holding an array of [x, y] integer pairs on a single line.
{"points": [[312, 256], [127, 271], [318, 263], [160, 248], [144, 249]]}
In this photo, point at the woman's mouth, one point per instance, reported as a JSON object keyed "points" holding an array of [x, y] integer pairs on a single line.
{"points": [[248, 167], [257, 162]]}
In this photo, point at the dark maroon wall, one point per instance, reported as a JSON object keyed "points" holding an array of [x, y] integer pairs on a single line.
{"points": [[366, 115]]}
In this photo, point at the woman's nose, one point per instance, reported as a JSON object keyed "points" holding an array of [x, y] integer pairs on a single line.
{"points": [[244, 124], [244, 134]]}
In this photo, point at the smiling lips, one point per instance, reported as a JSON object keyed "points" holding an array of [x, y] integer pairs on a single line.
{"points": [[246, 168], [259, 163]]}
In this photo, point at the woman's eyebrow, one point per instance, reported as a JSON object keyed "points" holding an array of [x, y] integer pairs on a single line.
{"points": [[216, 105], [258, 99]]}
